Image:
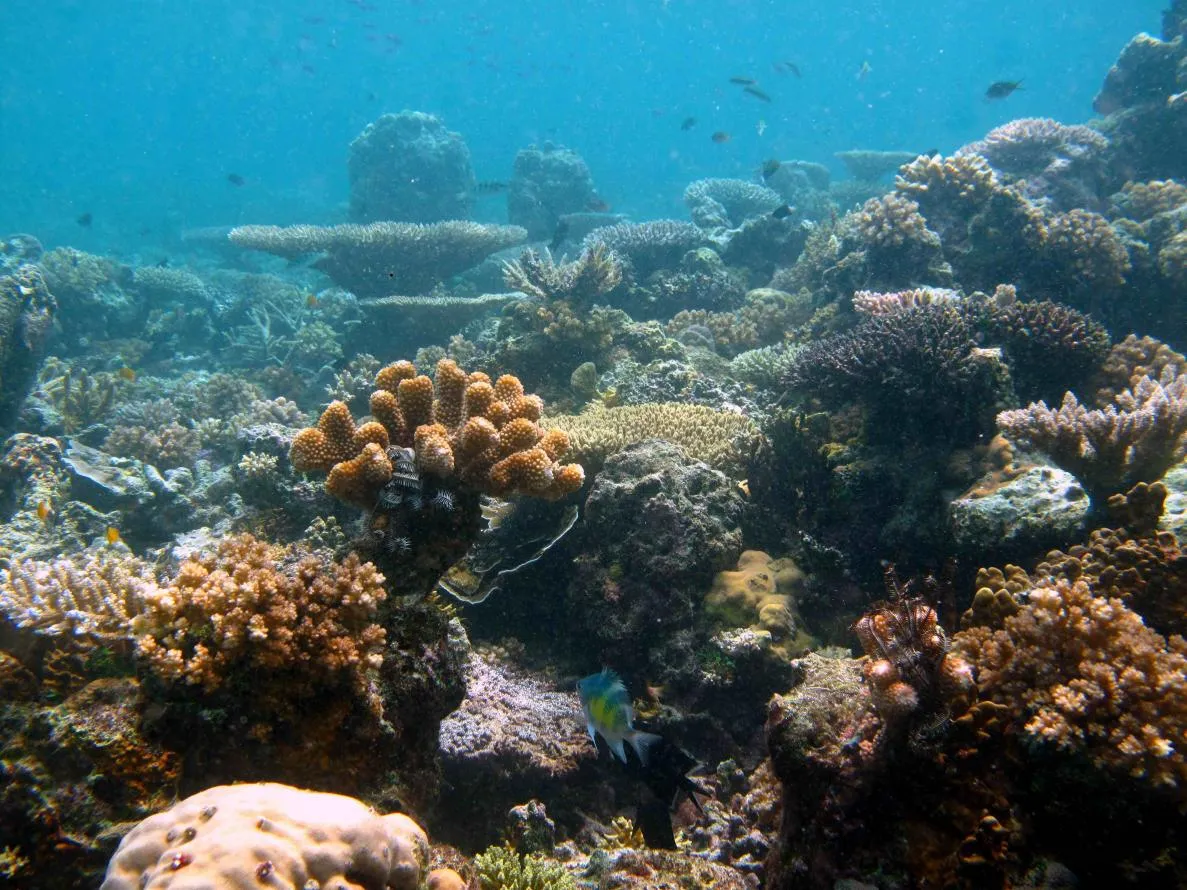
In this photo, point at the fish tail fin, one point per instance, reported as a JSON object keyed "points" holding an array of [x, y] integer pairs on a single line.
{"points": [[618, 748], [643, 742]]}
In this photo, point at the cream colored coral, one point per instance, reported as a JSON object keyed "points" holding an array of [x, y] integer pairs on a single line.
{"points": [[720, 438], [245, 837]]}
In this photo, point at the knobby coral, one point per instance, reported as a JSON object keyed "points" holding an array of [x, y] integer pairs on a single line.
{"points": [[458, 425]]}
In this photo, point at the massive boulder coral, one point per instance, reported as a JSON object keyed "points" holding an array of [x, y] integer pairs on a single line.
{"points": [[241, 837], [383, 258], [548, 183], [409, 167], [459, 426]]}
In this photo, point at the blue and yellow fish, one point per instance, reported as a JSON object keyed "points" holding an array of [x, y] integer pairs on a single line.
{"points": [[608, 713]]}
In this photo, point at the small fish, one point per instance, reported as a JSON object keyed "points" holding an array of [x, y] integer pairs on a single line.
{"points": [[783, 212], [770, 167], [112, 536], [1002, 88], [756, 93], [236, 180], [597, 205], [688, 123], [559, 235], [788, 68], [489, 187], [864, 71], [163, 263], [45, 512], [127, 374], [608, 713], [743, 81], [720, 136], [311, 302], [85, 220]]}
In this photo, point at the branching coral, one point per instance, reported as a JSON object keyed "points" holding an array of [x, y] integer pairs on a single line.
{"points": [[91, 599], [170, 445], [501, 868], [239, 613], [458, 425], [385, 257], [593, 274], [721, 438], [1136, 438], [1089, 677], [80, 398], [727, 203], [873, 303], [649, 246]]}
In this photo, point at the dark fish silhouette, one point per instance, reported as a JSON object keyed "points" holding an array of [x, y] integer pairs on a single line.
{"points": [[1002, 88], [489, 187], [783, 212], [665, 783], [85, 220], [236, 180], [720, 136], [788, 68], [743, 81], [559, 235], [756, 93], [688, 123], [597, 205], [770, 167]]}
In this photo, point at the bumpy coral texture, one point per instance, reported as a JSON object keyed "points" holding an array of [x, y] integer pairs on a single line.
{"points": [[242, 837], [1089, 677], [459, 425], [238, 613]]}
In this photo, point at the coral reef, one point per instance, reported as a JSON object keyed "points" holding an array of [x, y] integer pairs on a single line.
{"points": [[719, 438], [242, 836], [648, 246], [548, 183], [27, 310], [760, 594], [580, 283], [727, 203], [409, 167], [382, 258]]}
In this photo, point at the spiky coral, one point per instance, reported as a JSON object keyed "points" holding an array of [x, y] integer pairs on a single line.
{"points": [[459, 426], [385, 257], [1137, 437], [501, 868], [596, 272]]}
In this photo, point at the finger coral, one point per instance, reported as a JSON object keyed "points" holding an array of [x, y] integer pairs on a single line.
{"points": [[239, 612], [1089, 677], [459, 426]]}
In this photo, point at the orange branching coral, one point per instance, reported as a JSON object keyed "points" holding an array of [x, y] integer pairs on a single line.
{"points": [[240, 613], [460, 425], [1089, 677]]}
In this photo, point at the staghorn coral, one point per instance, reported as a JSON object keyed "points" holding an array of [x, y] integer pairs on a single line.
{"points": [[295, 630], [721, 438], [458, 425], [239, 837], [1089, 677], [648, 246], [1137, 437], [385, 257], [727, 203], [596, 272], [90, 599]]}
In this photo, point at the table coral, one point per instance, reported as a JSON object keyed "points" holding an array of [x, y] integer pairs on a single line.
{"points": [[459, 426], [241, 837]]}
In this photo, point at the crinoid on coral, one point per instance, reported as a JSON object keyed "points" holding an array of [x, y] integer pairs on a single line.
{"points": [[385, 257], [915, 682], [919, 373]]}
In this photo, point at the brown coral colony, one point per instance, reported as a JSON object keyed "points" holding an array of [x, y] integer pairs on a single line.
{"points": [[459, 426]]}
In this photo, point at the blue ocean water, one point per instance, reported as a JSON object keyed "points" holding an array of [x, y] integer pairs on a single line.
{"points": [[137, 110]]}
